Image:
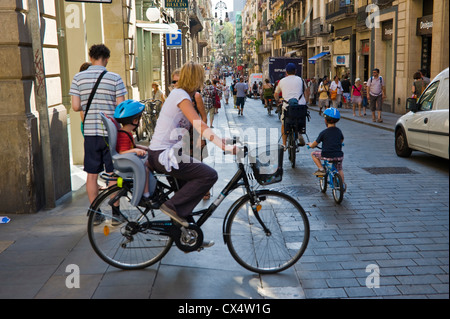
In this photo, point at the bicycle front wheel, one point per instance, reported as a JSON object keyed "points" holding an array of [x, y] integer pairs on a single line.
{"points": [[124, 239], [270, 237]]}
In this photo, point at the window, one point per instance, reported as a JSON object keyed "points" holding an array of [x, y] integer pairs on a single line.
{"points": [[427, 97]]}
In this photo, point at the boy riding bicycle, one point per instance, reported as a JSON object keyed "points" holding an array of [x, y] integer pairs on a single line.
{"points": [[332, 139]]}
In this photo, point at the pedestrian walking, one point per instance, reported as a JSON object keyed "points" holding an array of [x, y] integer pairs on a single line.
{"points": [[110, 92], [324, 94], [365, 102], [336, 92], [357, 96], [226, 93], [376, 92], [267, 91], [241, 89], [217, 96], [233, 91], [346, 92], [313, 87], [209, 97]]}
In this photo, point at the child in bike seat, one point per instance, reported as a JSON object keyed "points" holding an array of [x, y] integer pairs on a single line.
{"points": [[128, 114], [332, 139]]}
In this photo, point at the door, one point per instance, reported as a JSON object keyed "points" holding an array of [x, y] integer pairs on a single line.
{"points": [[419, 123], [438, 128]]}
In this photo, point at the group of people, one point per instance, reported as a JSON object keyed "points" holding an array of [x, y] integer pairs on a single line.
{"points": [[359, 95]]}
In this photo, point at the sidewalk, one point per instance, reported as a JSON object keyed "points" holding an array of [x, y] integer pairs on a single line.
{"points": [[389, 119]]}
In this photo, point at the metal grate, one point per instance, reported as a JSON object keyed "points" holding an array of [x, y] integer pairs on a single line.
{"points": [[389, 170]]}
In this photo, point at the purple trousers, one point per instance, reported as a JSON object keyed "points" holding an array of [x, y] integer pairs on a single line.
{"points": [[194, 178]]}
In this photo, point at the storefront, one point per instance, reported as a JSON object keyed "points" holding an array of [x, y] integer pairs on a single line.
{"points": [[425, 30]]}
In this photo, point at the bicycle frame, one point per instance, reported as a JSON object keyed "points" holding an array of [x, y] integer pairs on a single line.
{"points": [[331, 170]]}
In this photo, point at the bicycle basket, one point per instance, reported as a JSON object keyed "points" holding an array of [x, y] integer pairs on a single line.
{"points": [[267, 163]]}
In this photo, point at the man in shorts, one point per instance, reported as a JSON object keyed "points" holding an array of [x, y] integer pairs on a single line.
{"points": [[376, 93], [110, 93]]}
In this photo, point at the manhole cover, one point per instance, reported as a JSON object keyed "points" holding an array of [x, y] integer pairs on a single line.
{"points": [[298, 190], [389, 170]]}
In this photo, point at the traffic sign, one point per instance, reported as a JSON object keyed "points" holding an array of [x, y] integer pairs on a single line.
{"points": [[173, 41]]}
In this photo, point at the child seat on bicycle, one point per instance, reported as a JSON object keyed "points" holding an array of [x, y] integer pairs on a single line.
{"points": [[127, 166]]}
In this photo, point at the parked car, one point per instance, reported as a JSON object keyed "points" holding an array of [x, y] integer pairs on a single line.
{"points": [[426, 126]]}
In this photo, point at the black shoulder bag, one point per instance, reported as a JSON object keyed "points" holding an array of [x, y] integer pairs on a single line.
{"points": [[91, 97]]}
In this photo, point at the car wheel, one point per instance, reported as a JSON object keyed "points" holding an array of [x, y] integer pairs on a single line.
{"points": [[401, 144]]}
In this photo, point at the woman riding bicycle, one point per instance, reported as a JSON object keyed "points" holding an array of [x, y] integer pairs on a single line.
{"points": [[166, 155]]}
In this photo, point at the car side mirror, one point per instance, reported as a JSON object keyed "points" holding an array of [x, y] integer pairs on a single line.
{"points": [[411, 104]]}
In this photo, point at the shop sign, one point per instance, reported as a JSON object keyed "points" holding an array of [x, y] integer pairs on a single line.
{"points": [[425, 25], [341, 60], [387, 29], [365, 47], [178, 4], [91, 1]]}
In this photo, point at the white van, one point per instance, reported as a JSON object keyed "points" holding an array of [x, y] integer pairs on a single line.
{"points": [[426, 127]]}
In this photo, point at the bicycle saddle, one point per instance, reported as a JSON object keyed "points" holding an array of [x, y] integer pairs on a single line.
{"points": [[128, 166]]}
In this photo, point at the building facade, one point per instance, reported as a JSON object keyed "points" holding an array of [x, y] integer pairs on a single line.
{"points": [[351, 37], [43, 43]]}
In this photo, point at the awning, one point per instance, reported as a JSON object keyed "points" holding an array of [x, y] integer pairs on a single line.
{"points": [[318, 56], [158, 27]]}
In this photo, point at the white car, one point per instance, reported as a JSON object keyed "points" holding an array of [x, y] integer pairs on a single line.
{"points": [[425, 128]]}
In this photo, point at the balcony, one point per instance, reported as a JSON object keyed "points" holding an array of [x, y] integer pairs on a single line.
{"points": [[288, 3], [195, 18], [319, 27], [340, 9]]}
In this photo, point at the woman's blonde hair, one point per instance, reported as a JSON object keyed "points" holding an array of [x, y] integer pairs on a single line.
{"points": [[191, 77]]}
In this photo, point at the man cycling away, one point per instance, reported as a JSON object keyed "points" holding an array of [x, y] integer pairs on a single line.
{"points": [[294, 90]]}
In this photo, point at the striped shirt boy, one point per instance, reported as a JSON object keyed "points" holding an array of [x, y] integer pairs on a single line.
{"points": [[111, 86]]}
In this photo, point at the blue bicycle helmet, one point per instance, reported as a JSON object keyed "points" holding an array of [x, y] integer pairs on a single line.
{"points": [[332, 115], [128, 110]]}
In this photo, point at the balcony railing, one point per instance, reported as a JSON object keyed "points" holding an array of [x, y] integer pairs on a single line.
{"points": [[339, 9]]}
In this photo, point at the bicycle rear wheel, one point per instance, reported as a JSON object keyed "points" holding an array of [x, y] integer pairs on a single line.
{"points": [[130, 244], [338, 188], [275, 248], [292, 148]]}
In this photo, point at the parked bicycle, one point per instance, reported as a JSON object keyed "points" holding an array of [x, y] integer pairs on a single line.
{"points": [[266, 231], [332, 178], [148, 119]]}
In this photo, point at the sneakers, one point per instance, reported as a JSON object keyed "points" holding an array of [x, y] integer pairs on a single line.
{"points": [[320, 173], [173, 214]]}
